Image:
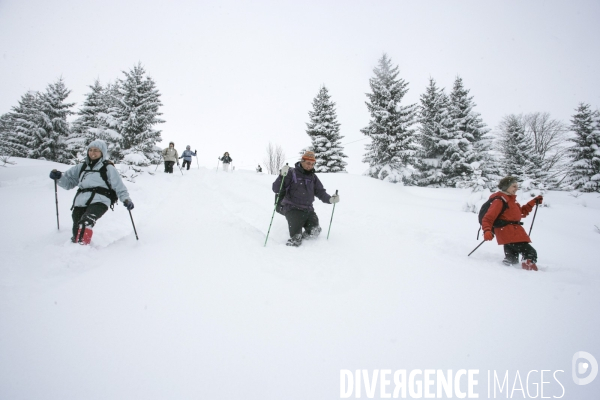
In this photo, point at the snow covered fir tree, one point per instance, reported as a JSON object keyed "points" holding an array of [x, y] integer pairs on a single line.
{"points": [[467, 148], [91, 122], [50, 139], [585, 169], [455, 151], [137, 113], [19, 125], [391, 155], [123, 114], [434, 133], [38, 127], [324, 132]]}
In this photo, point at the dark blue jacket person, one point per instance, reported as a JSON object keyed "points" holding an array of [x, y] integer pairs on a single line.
{"points": [[187, 156], [300, 186]]}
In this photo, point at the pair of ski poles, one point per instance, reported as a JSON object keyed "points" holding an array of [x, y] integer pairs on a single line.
{"points": [[58, 222], [277, 201], [530, 228]]}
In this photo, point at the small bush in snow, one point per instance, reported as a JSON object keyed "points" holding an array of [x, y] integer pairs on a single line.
{"points": [[5, 160]]}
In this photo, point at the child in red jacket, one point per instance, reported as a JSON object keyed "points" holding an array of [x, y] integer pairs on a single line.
{"points": [[509, 230]]}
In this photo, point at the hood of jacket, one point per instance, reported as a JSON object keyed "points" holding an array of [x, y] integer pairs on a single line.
{"points": [[99, 144]]}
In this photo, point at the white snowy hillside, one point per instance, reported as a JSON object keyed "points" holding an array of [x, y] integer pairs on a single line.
{"points": [[198, 308]]}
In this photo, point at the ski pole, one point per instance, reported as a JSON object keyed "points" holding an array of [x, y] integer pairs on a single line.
{"points": [[331, 220], [532, 221], [476, 248], [158, 163], [218, 159], [276, 201], [197, 163], [180, 170], [56, 197], [134, 230]]}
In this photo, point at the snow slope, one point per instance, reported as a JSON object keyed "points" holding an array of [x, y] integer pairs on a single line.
{"points": [[199, 309]]}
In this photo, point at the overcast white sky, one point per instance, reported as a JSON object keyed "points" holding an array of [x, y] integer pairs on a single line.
{"points": [[235, 75]]}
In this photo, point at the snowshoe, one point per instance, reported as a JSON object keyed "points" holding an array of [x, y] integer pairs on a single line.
{"points": [[509, 262], [295, 241], [529, 265], [84, 235], [313, 234]]}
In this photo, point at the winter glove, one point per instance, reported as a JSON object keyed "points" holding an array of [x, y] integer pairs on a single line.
{"points": [[129, 204], [54, 174], [488, 235], [536, 200], [284, 170], [334, 199]]}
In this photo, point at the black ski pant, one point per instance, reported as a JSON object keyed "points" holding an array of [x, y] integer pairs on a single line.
{"points": [[512, 251], [87, 215], [188, 164], [169, 166], [298, 219]]}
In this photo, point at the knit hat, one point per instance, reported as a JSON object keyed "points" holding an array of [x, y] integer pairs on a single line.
{"points": [[506, 182], [309, 156], [171, 143], [188, 147]]}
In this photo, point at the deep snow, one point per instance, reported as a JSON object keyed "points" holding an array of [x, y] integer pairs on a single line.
{"points": [[199, 309]]}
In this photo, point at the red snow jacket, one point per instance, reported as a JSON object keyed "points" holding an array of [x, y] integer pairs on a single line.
{"points": [[512, 233]]}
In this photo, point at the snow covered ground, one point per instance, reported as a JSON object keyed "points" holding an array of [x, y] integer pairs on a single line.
{"points": [[199, 309]]}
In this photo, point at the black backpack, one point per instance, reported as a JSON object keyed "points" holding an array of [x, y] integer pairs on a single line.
{"points": [[109, 193], [498, 223]]}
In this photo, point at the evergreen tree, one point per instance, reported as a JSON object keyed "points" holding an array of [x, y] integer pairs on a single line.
{"points": [[5, 129], [137, 113], [391, 153], [50, 139], [434, 135], [585, 170], [468, 130], [324, 132], [89, 123], [23, 126], [519, 158]]}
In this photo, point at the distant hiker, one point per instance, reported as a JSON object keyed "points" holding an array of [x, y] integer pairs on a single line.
{"points": [[171, 157], [226, 160], [509, 230], [300, 186], [259, 169], [100, 185], [187, 157]]}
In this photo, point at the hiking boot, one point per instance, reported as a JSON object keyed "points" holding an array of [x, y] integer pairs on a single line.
{"points": [[295, 240], [529, 265], [509, 261]]}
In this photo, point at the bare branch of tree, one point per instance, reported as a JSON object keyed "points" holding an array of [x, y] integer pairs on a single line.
{"points": [[275, 159], [549, 137]]}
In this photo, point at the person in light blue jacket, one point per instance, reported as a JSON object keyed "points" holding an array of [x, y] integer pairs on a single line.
{"points": [[100, 186], [187, 156]]}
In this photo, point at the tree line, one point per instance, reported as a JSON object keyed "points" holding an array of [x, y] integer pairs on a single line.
{"points": [[439, 142], [443, 142], [123, 113]]}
